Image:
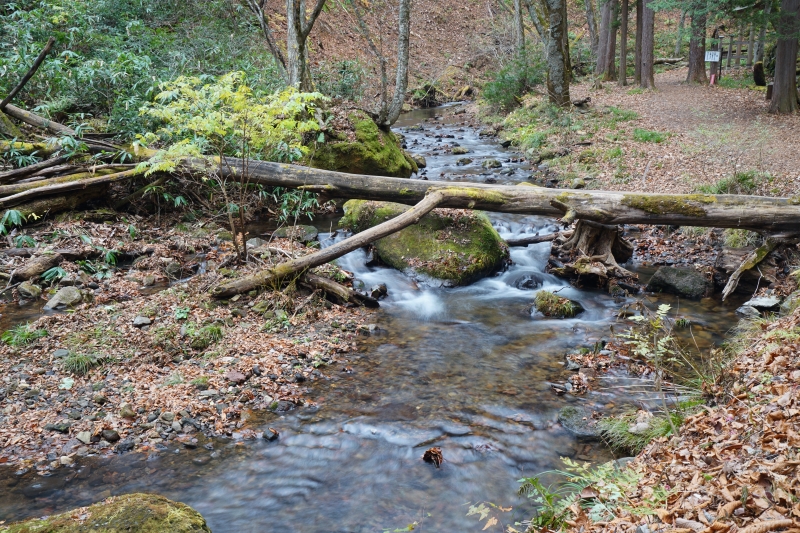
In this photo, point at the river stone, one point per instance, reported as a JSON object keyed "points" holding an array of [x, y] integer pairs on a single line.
{"points": [[578, 183], [66, 296], [683, 282], [359, 146], [748, 311], [460, 150], [790, 303], [173, 269], [491, 163], [578, 421], [85, 437], [29, 291], [464, 161], [764, 303], [141, 321], [132, 512], [36, 266], [297, 233], [256, 242], [451, 247], [420, 160], [110, 435]]}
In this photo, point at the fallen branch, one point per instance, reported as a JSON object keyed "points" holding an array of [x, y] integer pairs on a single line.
{"points": [[534, 239], [28, 75], [667, 60], [338, 292], [20, 173], [283, 272], [52, 126], [44, 183], [49, 190], [751, 261]]}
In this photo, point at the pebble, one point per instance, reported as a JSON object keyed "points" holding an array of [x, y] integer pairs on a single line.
{"points": [[61, 352], [85, 437], [110, 435], [166, 416], [176, 426], [140, 321]]}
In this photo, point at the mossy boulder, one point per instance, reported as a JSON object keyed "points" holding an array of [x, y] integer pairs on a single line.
{"points": [[681, 281], [360, 147], [142, 513], [454, 247], [552, 305]]}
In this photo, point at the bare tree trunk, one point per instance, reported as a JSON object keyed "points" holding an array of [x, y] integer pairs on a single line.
{"points": [[715, 45], [637, 67], [591, 20], [697, 48], [750, 46], [730, 52], [557, 52], [762, 33], [648, 44], [784, 93], [606, 12], [679, 40], [623, 46], [739, 46], [519, 28], [611, 52], [298, 27], [401, 79]]}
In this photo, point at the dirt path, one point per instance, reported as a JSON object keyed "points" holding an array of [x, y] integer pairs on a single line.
{"points": [[714, 132]]}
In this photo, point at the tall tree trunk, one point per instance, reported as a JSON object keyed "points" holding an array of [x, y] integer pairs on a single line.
{"points": [[637, 65], [762, 33], [697, 48], [622, 79], [257, 8], [750, 46], [739, 46], [784, 93], [557, 52], [591, 20], [298, 27], [648, 46], [611, 52], [606, 12], [679, 40], [715, 45], [730, 52], [401, 78], [519, 28]]}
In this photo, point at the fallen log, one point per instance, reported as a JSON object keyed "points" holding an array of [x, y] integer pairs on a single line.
{"points": [[62, 185], [53, 127], [289, 270], [779, 216], [23, 172], [336, 291], [532, 239], [751, 261]]}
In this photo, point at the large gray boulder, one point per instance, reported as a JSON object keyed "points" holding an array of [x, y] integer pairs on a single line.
{"points": [[65, 297], [681, 281]]}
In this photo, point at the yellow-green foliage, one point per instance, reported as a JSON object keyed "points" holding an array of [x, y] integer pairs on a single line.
{"points": [[226, 116]]}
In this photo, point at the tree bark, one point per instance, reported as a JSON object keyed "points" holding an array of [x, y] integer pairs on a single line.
{"points": [[784, 93], [730, 52], [64, 184], [774, 215], [298, 27], [648, 44], [401, 78], [519, 28], [750, 46], [557, 52], [591, 20], [762, 33], [337, 292], [637, 68], [623, 45], [697, 49], [606, 12], [679, 40], [611, 52]]}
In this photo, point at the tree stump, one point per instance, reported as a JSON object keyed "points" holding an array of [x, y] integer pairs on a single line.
{"points": [[591, 255]]}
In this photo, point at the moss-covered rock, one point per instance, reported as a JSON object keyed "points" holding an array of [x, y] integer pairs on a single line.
{"points": [[554, 306], [361, 147], [455, 247], [681, 281], [142, 513]]}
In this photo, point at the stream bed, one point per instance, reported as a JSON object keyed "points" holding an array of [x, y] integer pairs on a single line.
{"points": [[465, 369]]}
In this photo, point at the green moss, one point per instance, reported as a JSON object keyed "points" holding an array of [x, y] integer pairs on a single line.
{"points": [[455, 247], [554, 306], [143, 513], [661, 204], [373, 152]]}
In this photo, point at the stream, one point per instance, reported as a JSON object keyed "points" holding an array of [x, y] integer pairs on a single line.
{"points": [[465, 369]]}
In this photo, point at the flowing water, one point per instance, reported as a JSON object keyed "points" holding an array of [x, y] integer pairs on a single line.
{"points": [[465, 369]]}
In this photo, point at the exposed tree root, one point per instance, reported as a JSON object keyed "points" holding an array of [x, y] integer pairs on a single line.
{"points": [[592, 254]]}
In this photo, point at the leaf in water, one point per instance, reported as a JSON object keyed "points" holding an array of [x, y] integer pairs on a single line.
{"points": [[433, 455], [66, 383], [491, 522], [481, 510]]}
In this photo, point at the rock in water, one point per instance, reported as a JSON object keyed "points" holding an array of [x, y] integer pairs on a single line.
{"points": [[29, 291], [66, 296], [453, 247], [578, 421], [364, 149], [683, 282], [132, 512], [297, 233], [765, 303]]}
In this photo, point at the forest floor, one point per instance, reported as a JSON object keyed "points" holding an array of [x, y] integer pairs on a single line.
{"points": [[150, 357], [677, 138]]}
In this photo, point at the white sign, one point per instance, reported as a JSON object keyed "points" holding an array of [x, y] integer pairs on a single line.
{"points": [[712, 56]]}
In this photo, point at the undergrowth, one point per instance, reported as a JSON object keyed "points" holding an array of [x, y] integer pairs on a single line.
{"points": [[22, 335]]}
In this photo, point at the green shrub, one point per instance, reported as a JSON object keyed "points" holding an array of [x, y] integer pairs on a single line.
{"points": [[344, 79], [79, 363], [647, 136], [746, 182], [741, 238], [514, 80], [617, 430]]}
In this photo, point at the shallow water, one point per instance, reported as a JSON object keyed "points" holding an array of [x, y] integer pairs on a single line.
{"points": [[466, 369]]}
